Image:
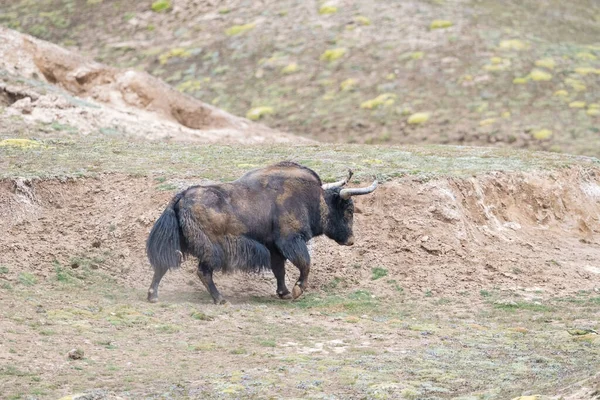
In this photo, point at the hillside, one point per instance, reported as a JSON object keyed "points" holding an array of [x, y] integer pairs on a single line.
{"points": [[521, 74], [53, 91]]}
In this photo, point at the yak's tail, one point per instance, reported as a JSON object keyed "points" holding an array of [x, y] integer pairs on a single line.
{"points": [[164, 245]]}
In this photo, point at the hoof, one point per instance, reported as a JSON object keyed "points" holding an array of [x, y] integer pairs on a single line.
{"points": [[285, 296], [152, 296], [221, 301], [297, 292]]}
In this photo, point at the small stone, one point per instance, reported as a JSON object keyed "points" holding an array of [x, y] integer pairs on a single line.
{"points": [[504, 302], [23, 105], [75, 354], [296, 291]]}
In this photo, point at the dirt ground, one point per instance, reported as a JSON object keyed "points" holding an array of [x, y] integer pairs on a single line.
{"points": [[445, 274]]}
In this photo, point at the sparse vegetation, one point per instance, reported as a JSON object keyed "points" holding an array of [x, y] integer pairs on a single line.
{"points": [[62, 275], [27, 279], [227, 163], [378, 273], [198, 315], [487, 325], [161, 5], [522, 305]]}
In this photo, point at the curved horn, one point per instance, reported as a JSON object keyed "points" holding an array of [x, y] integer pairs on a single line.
{"points": [[337, 184], [347, 193]]}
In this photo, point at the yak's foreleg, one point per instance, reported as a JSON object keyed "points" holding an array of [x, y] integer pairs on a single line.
{"points": [[205, 273], [278, 268], [302, 283], [296, 251]]}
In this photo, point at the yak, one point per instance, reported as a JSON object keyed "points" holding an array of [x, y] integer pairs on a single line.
{"points": [[255, 222]]}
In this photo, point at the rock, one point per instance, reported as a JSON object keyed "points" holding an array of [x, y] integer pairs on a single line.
{"points": [[23, 105], [504, 302], [431, 248], [75, 354]]}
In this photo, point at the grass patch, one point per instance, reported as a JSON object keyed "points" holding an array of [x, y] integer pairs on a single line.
{"points": [[27, 279], [161, 5], [62, 275], [203, 347], [378, 273], [522, 305], [335, 282], [91, 155], [166, 187], [395, 285], [168, 328], [86, 263], [360, 301], [63, 128], [10, 370], [268, 343], [201, 316], [107, 344]]}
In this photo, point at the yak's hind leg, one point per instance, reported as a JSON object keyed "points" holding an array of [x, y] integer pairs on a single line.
{"points": [[295, 250], [278, 267], [153, 290], [205, 272]]}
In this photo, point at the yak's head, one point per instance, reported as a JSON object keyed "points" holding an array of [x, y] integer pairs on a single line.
{"points": [[339, 216]]}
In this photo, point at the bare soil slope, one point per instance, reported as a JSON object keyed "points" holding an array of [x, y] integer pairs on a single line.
{"points": [[49, 86], [534, 232]]}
